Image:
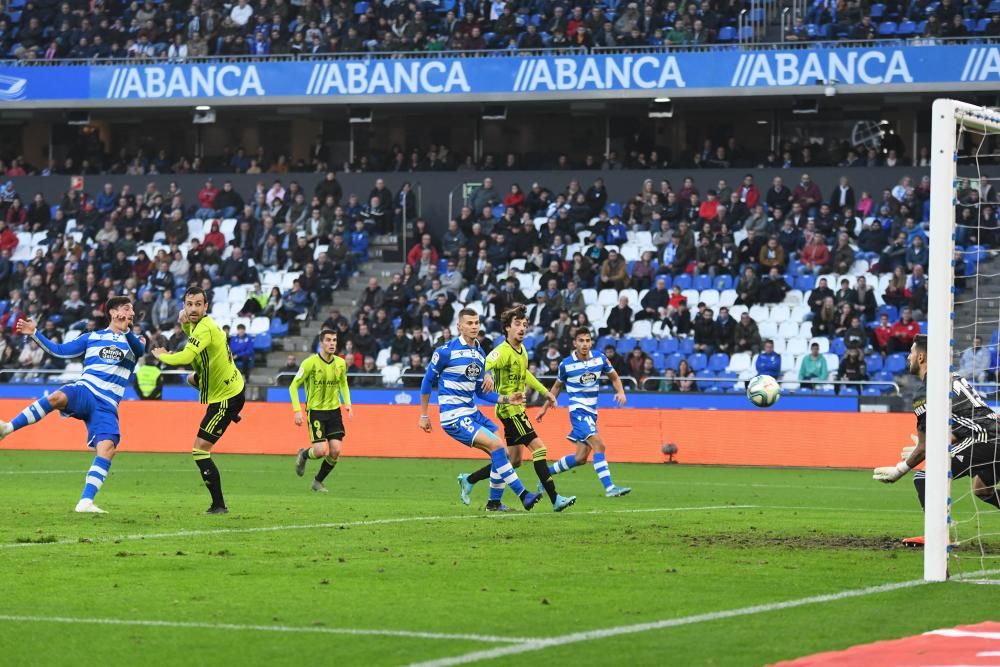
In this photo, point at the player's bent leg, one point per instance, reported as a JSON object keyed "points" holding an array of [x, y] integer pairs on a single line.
{"points": [[602, 469], [34, 413], [488, 442], [97, 474], [332, 451], [985, 491], [202, 455]]}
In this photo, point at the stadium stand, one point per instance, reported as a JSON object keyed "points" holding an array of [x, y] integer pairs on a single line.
{"points": [[674, 289], [148, 30]]}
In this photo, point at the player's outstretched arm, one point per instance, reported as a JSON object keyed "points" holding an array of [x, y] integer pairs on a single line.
{"points": [[293, 392], [137, 344], [69, 350], [890, 474], [554, 393], [426, 386], [345, 395], [533, 383]]}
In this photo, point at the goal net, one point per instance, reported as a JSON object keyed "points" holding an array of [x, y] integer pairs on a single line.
{"points": [[962, 531]]}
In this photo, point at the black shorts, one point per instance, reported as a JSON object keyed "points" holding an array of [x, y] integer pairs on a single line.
{"points": [[325, 425], [981, 459], [219, 416], [517, 429]]}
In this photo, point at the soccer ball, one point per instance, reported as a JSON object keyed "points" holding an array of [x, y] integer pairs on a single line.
{"points": [[763, 391]]}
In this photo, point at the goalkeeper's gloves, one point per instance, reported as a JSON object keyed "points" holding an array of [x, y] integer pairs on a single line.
{"points": [[890, 474]]}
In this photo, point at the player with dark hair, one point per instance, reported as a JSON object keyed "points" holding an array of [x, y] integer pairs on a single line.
{"points": [[508, 364], [324, 376], [975, 437], [109, 358], [218, 381], [458, 367], [581, 373]]}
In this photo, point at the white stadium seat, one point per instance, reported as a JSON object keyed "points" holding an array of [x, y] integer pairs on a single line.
{"points": [[390, 375], [739, 362], [710, 297], [780, 313], [768, 329], [760, 313], [589, 297], [824, 345], [632, 295], [788, 329], [795, 346], [607, 297], [259, 325]]}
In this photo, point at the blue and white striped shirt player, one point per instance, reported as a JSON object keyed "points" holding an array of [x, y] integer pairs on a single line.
{"points": [[459, 370], [109, 360], [582, 379]]}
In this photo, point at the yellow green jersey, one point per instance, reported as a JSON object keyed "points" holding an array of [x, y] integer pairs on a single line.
{"points": [[207, 351], [509, 368], [325, 383]]}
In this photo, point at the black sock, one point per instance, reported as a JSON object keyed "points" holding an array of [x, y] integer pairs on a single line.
{"points": [[920, 483], [324, 469], [992, 499], [479, 475], [545, 477], [213, 480]]}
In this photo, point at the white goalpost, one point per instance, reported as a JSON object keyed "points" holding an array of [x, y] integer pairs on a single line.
{"points": [[963, 136]]}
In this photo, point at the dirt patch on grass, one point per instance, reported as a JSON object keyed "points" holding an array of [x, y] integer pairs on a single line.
{"points": [[752, 540]]}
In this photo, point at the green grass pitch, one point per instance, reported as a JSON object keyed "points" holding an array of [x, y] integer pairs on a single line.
{"points": [[390, 569]]}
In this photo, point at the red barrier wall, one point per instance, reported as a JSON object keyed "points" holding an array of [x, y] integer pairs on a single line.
{"points": [[758, 437]]}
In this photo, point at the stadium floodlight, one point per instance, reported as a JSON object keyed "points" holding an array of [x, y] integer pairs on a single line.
{"points": [[360, 115], [661, 107], [77, 118], [203, 107], [203, 116], [961, 136]]}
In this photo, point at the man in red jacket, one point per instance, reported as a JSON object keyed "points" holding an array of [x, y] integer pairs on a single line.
{"points": [[882, 333], [206, 200], [416, 252], [8, 239], [903, 332], [748, 192]]}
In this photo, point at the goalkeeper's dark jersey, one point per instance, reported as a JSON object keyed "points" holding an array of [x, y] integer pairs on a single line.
{"points": [[972, 419]]}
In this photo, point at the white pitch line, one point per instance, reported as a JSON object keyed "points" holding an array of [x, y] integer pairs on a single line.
{"points": [[345, 524], [591, 635], [267, 628]]}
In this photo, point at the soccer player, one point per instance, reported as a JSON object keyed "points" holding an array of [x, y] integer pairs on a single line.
{"points": [[324, 376], [580, 373], [459, 369], [218, 381], [975, 437], [109, 358], [508, 364]]}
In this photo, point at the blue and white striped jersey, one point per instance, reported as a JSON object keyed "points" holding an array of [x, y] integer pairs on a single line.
{"points": [[109, 360], [459, 370], [582, 378]]}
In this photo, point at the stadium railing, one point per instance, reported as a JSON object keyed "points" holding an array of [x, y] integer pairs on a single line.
{"points": [[505, 53]]}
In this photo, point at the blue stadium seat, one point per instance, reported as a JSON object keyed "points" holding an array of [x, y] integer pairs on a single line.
{"points": [[262, 342], [683, 281], [723, 282], [698, 362], [980, 26], [871, 390], [825, 391], [746, 34], [837, 347], [806, 282], [727, 34], [718, 362], [442, 265], [625, 345], [906, 29], [666, 277], [873, 362], [277, 328], [702, 282], [603, 342], [970, 24], [649, 345], [673, 361], [727, 381], [668, 345], [848, 391], [686, 346], [877, 11], [659, 359], [887, 28], [923, 326], [360, 8], [883, 376], [896, 363], [993, 8], [613, 208], [3, 306], [891, 311]]}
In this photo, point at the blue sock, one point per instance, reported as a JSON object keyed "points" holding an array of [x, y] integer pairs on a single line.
{"points": [[33, 413], [496, 486], [502, 466], [601, 468], [95, 477], [563, 464]]}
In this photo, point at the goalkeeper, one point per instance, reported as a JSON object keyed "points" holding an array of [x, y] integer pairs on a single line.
{"points": [[975, 436]]}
